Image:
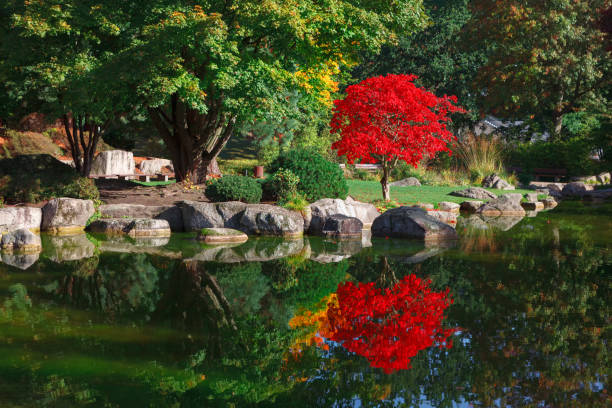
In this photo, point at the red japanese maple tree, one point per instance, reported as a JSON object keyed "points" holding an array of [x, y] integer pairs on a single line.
{"points": [[386, 119], [389, 326]]}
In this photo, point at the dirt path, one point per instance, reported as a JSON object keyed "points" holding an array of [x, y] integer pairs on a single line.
{"points": [[120, 191]]}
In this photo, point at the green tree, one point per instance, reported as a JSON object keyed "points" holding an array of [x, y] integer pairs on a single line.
{"points": [[546, 58], [204, 72]]}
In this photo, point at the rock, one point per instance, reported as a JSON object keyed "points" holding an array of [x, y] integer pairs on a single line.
{"points": [[411, 222], [474, 192], [410, 181], [153, 166], [470, 206], [110, 226], [148, 228], [342, 226], [263, 219], [112, 162], [586, 179], [554, 190], [504, 205], [449, 206], [19, 260], [472, 221], [425, 206], [197, 215], [532, 206], [170, 213], [532, 197], [604, 178], [251, 251], [549, 202], [542, 191], [446, 217], [66, 215], [21, 240], [494, 181], [574, 189], [13, 218], [326, 207], [221, 236], [68, 248]]}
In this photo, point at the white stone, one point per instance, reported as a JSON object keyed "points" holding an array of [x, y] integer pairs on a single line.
{"points": [[113, 162]]}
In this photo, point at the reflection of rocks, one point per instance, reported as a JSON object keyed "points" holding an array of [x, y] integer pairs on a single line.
{"points": [[148, 228], [483, 222], [503, 223], [533, 206], [13, 218], [258, 219], [421, 256], [170, 213], [413, 223], [21, 261], [474, 192], [343, 227], [152, 245], [326, 207], [333, 251], [21, 240], [66, 215], [68, 248], [255, 250], [504, 205]]}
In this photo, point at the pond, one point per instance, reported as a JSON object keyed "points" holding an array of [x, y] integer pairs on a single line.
{"points": [[512, 315]]}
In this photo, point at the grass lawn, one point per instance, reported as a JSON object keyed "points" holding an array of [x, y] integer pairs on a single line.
{"points": [[369, 191]]}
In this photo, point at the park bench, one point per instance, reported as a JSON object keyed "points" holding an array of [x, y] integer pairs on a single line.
{"points": [[556, 174], [366, 166]]}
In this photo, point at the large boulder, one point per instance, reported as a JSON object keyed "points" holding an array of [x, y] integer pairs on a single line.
{"points": [[263, 219], [221, 236], [476, 193], [170, 213], [342, 226], [410, 181], [66, 215], [574, 189], [111, 162], [21, 240], [110, 226], [411, 222], [12, 218], [326, 207], [153, 166], [494, 181], [68, 248], [252, 219], [504, 205]]}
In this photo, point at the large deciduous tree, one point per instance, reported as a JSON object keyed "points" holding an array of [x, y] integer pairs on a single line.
{"points": [[388, 119], [546, 59], [205, 71]]}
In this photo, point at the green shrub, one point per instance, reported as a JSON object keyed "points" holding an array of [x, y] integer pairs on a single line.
{"points": [[284, 183], [35, 178], [294, 202], [319, 178], [234, 188]]}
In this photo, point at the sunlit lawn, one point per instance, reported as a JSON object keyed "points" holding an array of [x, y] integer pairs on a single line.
{"points": [[370, 190]]}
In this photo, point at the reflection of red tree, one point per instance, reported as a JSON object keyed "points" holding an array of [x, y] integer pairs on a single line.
{"points": [[389, 326]]}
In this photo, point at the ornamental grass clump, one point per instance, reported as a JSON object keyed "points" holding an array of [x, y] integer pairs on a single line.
{"points": [[480, 156]]}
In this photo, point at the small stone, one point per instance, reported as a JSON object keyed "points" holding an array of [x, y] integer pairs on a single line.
{"points": [[474, 192], [342, 226], [471, 206], [221, 236], [533, 206], [407, 182], [549, 202], [448, 206], [21, 240], [504, 205]]}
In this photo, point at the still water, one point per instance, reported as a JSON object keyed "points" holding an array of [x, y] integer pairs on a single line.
{"points": [[512, 315]]}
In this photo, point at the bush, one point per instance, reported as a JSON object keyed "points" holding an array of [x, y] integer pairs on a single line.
{"points": [[35, 178], [319, 178], [234, 188], [284, 183]]}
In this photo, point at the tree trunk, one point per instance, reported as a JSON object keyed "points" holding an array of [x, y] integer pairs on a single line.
{"points": [[384, 182], [558, 127], [194, 139], [83, 138]]}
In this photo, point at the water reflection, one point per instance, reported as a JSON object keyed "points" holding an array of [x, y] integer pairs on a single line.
{"points": [[145, 329]]}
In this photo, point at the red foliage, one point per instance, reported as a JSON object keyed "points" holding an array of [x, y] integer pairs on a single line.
{"points": [[386, 118], [389, 326]]}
